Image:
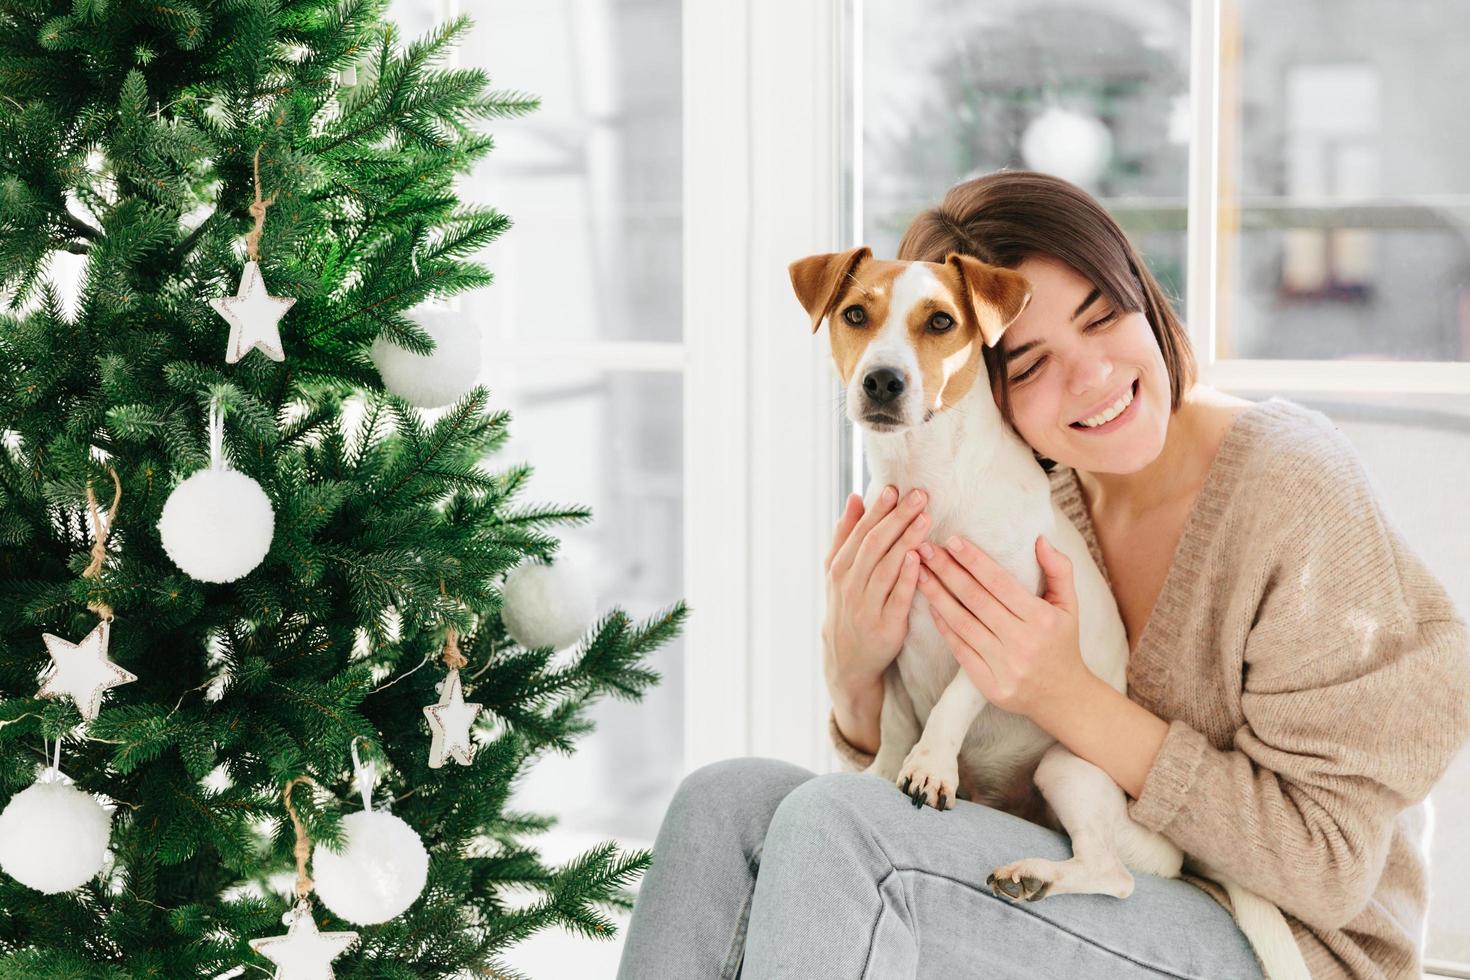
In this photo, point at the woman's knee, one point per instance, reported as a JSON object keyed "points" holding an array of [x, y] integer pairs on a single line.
{"points": [[740, 789], [830, 811], [831, 800]]}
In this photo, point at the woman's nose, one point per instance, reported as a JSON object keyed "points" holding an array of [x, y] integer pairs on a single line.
{"points": [[1088, 373]]}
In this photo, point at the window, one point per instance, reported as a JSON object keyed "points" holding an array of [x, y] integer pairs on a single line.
{"points": [[584, 348], [1292, 173]]}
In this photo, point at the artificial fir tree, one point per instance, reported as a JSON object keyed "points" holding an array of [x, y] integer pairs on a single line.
{"points": [[142, 136]]}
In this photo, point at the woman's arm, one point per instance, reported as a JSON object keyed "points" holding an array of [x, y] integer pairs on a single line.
{"points": [[1340, 736], [856, 713], [1113, 733]]}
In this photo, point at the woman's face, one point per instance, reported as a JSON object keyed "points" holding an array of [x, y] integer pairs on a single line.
{"points": [[1072, 357]]}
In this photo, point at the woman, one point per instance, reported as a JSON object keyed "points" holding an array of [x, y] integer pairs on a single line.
{"points": [[1297, 681]]}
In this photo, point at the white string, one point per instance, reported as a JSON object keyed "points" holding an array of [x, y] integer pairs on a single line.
{"points": [[365, 775], [216, 435], [400, 677], [55, 764]]}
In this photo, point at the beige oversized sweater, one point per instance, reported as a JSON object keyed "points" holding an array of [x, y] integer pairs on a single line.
{"points": [[1316, 681]]}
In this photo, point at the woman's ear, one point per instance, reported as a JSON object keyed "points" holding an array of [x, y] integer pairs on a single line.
{"points": [[996, 295], [818, 279]]}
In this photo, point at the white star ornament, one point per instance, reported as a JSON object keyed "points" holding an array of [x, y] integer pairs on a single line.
{"points": [[304, 953], [450, 722], [81, 671], [254, 317]]}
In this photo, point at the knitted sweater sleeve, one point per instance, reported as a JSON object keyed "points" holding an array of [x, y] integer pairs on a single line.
{"points": [[849, 757], [1356, 697]]}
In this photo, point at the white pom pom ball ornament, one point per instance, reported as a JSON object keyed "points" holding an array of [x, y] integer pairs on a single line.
{"points": [[217, 524], [546, 605], [1072, 145], [53, 836], [440, 377], [378, 875], [381, 869]]}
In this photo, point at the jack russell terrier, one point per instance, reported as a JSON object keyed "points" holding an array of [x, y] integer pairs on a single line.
{"points": [[906, 338]]}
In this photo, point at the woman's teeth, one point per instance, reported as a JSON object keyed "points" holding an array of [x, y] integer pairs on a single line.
{"points": [[1111, 413]]}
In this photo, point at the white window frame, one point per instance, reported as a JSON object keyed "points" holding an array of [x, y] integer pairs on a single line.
{"points": [[766, 145], [772, 162], [1207, 192]]}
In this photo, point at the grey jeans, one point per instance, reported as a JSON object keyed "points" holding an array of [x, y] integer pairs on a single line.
{"points": [[762, 869]]}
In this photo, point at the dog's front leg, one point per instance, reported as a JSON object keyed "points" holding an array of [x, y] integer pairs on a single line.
{"points": [[931, 771], [1106, 842]]}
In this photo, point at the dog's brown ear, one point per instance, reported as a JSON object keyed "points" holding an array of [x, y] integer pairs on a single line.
{"points": [[997, 296], [818, 279]]}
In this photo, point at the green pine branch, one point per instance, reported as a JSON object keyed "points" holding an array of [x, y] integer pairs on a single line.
{"points": [[127, 134]]}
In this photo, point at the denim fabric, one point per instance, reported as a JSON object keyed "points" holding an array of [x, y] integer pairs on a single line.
{"points": [[762, 869]]}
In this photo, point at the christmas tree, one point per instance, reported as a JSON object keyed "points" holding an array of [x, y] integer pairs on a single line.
{"points": [[262, 191]]}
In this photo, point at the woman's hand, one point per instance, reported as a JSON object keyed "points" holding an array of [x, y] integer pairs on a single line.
{"points": [[1021, 650], [872, 571]]}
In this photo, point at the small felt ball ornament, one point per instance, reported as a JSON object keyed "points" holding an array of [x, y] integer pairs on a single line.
{"points": [[381, 869], [53, 836], [546, 605], [217, 524], [440, 377], [379, 873]]}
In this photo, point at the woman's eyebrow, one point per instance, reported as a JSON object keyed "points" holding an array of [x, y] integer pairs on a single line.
{"points": [[1087, 302], [1011, 355]]}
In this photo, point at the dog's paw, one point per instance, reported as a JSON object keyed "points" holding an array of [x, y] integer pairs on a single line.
{"points": [[929, 776], [1023, 881], [1032, 879]]}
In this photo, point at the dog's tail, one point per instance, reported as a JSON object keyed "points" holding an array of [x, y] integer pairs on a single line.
{"points": [[1266, 929]]}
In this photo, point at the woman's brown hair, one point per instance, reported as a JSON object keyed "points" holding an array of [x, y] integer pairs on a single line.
{"points": [[1006, 216]]}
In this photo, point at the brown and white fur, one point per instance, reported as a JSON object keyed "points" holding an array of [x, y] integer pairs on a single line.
{"points": [[922, 395]]}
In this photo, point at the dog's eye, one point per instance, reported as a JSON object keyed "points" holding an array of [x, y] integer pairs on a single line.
{"points": [[855, 315], [940, 322]]}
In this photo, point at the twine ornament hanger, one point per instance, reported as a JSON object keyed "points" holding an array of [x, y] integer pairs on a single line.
{"points": [[257, 211], [365, 777], [81, 670], [304, 951], [253, 314], [453, 659], [99, 543], [451, 717], [303, 842]]}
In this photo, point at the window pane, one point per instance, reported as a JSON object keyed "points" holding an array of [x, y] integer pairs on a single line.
{"points": [[1093, 91], [592, 179], [610, 440], [1344, 138]]}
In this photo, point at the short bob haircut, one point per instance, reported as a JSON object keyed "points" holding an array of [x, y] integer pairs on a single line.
{"points": [[1004, 217]]}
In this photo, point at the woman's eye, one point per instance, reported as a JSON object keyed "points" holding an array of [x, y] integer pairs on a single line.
{"points": [[855, 315], [940, 322], [1099, 323], [1036, 366]]}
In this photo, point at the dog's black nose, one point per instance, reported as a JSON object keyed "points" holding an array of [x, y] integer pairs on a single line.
{"points": [[883, 385]]}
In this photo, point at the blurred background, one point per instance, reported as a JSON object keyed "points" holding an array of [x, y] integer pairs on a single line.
{"points": [[1293, 172]]}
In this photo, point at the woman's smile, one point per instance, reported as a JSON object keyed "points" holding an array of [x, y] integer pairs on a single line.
{"points": [[1117, 422]]}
